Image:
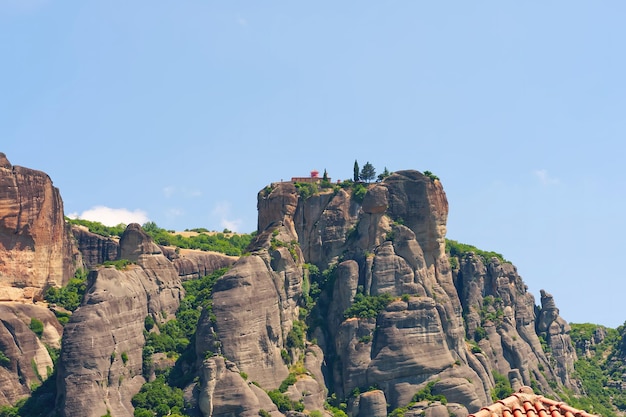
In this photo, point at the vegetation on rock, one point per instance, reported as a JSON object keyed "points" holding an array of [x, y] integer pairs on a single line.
{"points": [[234, 245], [461, 250], [600, 368], [368, 306], [157, 398], [70, 296]]}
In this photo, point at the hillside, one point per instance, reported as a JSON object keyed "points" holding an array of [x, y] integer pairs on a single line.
{"points": [[348, 300]]}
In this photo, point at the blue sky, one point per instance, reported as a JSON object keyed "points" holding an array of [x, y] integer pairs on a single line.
{"points": [[181, 112]]}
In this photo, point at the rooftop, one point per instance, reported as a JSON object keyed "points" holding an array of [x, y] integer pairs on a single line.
{"points": [[525, 403]]}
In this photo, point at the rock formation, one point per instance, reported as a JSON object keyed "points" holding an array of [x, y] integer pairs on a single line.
{"points": [[195, 263], [101, 360], [30, 362], [279, 315], [392, 242], [95, 249], [35, 246]]}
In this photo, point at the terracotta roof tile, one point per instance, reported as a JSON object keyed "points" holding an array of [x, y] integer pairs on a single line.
{"points": [[525, 403]]}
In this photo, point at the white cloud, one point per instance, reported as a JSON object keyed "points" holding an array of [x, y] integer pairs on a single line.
{"points": [[112, 216], [223, 211], [544, 178], [242, 21]]}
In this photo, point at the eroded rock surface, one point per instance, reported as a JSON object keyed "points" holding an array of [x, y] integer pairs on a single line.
{"points": [[101, 361], [29, 360], [35, 244]]}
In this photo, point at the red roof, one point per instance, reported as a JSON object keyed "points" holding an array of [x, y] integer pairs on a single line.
{"points": [[525, 403]]}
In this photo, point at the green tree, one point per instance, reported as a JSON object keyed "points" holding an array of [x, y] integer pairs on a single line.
{"points": [[368, 173], [357, 172], [325, 176], [384, 175]]}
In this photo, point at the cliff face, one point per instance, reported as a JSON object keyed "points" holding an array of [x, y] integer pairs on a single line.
{"points": [[101, 361], [451, 323], [35, 246], [452, 327]]}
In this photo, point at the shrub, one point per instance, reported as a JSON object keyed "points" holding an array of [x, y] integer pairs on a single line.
{"points": [[124, 357], [158, 398], [36, 326], [430, 175], [4, 359], [426, 394], [119, 264], [70, 296], [480, 334], [295, 337], [283, 402], [460, 250], [502, 388], [290, 380], [358, 192], [98, 228], [148, 322], [368, 306]]}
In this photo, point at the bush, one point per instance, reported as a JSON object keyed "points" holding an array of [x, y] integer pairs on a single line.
{"points": [[306, 189], [119, 264], [159, 398], [4, 359], [290, 380], [358, 192], [149, 322], [295, 337], [460, 250], [368, 306], [283, 402], [430, 175], [502, 388], [426, 394], [36, 326], [98, 228], [70, 296], [480, 334]]}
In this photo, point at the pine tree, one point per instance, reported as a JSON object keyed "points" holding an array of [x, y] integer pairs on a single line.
{"points": [[384, 175], [356, 171], [368, 173]]}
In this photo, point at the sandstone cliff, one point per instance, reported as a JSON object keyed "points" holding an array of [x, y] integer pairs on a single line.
{"points": [[453, 327], [279, 315], [101, 360], [35, 246]]}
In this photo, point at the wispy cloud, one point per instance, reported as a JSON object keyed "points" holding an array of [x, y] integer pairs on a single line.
{"points": [[223, 210], [242, 21], [112, 216], [545, 179]]}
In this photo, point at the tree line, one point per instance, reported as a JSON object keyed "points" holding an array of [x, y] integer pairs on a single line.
{"points": [[368, 173]]}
